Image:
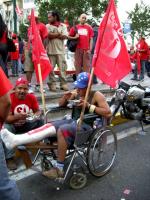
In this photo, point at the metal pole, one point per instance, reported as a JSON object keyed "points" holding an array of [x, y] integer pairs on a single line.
{"points": [[15, 16]]}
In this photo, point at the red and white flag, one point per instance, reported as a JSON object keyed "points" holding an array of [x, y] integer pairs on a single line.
{"points": [[19, 11], [39, 55], [111, 61]]}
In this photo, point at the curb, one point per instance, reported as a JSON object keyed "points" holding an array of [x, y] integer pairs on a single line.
{"points": [[129, 128]]}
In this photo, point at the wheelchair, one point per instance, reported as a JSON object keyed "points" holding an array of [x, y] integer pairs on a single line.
{"points": [[94, 151]]}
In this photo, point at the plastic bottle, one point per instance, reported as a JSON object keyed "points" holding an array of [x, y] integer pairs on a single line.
{"points": [[97, 123]]}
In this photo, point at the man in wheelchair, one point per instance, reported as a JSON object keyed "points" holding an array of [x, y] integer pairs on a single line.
{"points": [[65, 129]]}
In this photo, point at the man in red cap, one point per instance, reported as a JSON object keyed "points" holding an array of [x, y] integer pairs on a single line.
{"points": [[15, 56], [19, 120]]}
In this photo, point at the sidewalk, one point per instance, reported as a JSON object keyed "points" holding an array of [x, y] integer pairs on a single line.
{"points": [[51, 98]]}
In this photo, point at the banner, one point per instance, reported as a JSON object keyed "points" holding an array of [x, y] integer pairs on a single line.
{"points": [[111, 61]]}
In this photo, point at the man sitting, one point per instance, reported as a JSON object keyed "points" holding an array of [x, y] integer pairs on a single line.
{"points": [[23, 105]]}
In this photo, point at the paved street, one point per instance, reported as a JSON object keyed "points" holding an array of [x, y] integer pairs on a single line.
{"points": [[128, 180]]}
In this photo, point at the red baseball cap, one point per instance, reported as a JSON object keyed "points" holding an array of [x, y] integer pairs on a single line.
{"points": [[21, 81]]}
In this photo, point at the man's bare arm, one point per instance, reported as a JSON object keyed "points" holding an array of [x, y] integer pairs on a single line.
{"points": [[102, 107], [5, 104]]}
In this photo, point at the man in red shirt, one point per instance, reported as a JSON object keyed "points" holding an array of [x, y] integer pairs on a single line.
{"points": [[142, 51], [84, 46], [8, 189], [15, 56], [23, 106], [28, 65]]}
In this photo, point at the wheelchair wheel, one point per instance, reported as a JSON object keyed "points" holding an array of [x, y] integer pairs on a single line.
{"points": [[78, 181], [101, 151]]}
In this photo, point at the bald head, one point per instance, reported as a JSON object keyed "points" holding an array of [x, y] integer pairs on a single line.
{"points": [[83, 18]]}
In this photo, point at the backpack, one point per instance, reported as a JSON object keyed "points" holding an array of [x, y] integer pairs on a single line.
{"points": [[72, 44]]}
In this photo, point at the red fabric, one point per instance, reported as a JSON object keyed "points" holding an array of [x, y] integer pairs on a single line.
{"points": [[6, 86], [30, 103], [136, 58], [42, 30], [85, 34], [111, 59], [15, 55], [142, 45], [21, 81], [138, 62], [5, 83], [57, 24], [39, 55], [42, 128], [3, 39]]}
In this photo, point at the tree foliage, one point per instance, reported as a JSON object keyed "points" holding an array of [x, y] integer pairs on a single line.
{"points": [[71, 9], [23, 31], [140, 19]]}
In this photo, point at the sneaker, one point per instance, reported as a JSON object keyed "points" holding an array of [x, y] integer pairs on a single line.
{"points": [[11, 164], [53, 173]]}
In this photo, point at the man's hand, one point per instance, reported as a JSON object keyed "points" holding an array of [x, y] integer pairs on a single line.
{"points": [[80, 104], [67, 95], [21, 116]]}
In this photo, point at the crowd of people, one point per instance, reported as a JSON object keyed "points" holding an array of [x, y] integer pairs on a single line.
{"points": [[20, 104], [140, 59]]}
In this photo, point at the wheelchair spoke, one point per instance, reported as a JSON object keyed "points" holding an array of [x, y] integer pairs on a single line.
{"points": [[102, 152]]}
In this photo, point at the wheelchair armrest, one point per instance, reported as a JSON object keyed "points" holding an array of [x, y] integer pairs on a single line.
{"points": [[55, 109], [90, 116]]}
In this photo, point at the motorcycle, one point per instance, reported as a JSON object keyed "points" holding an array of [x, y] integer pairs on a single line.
{"points": [[132, 101]]}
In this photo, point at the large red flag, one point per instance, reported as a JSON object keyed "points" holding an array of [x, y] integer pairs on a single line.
{"points": [[111, 61], [39, 55]]}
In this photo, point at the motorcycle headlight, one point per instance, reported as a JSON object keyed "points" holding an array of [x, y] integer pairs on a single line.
{"points": [[120, 94]]}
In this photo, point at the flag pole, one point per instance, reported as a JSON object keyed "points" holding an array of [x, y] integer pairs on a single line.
{"points": [[85, 99], [91, 78], [41, 88]]}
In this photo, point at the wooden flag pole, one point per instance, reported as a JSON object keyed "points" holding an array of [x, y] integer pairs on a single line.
{"points": [[41, 88], [85, 99]]}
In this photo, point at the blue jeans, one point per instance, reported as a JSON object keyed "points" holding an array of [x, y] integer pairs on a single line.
{"points": [[15, 67], [8, 188], [143, 62]]}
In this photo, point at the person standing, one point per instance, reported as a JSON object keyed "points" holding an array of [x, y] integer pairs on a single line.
{"points": [[28, 65], [8, 188], [57, 33], [15, 56], [21, 54], [84, 46], [3, 45], [95, 30], [142, 51]]}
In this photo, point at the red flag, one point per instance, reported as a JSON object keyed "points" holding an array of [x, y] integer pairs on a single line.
{"points": [[111, 61], [19, 11], [39, 55]]}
